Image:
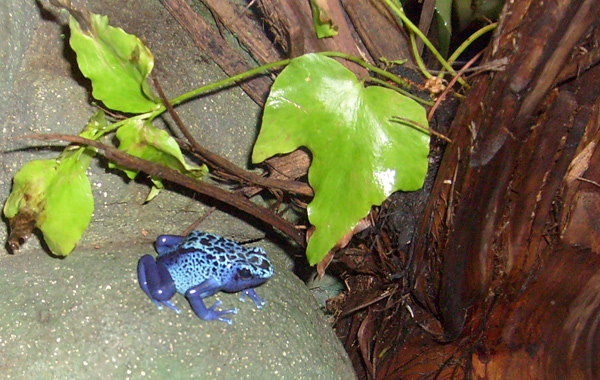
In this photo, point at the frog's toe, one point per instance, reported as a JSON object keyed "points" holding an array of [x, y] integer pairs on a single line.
{"points": [[171, 306], [253, 296], [215, 305], [207, 313], [216, 315], [157, 303]]}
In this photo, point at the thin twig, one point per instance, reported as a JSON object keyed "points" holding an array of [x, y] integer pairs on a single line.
{"points": [[223, 164], [413, 123], [366, 303], [452, 82], [495, 65], [153, 169], [194, 225], [588, 181]]}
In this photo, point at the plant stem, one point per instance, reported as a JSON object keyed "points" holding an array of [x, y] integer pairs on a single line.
{"points": [[452, 82], [397, 8], [214, 160], [367, 66], [418, 59], [403, 92], [420, 127], [258, 70], [225, 82], [470, 40]]}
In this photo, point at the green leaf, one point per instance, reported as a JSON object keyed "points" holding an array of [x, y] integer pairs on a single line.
{"points": [[443, 17], [157, 187], [323, 24], [69, 204], [96, 127], [141, 139], [55, 195], [117, 63], [468, 11], [359, 157], [58, 195], [29, 187]]}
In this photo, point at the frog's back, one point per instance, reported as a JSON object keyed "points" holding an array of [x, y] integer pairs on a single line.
{"points": [[201, 256]]}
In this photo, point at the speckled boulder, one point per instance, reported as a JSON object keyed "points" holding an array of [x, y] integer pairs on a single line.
{"points": [[84, 317]]}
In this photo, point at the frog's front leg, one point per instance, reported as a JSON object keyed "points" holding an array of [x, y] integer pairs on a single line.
{"points": [[156, 281], [207, 288]]}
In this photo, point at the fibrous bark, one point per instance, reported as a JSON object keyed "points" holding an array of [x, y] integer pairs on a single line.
{"points": [[507, 255]]}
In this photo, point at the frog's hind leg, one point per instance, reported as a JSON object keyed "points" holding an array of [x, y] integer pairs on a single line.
{"points": [[205, 289], [167, 243], [156, 281]]}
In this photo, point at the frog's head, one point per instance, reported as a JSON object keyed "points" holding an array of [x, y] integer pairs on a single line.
{"points": [[253, 270]]}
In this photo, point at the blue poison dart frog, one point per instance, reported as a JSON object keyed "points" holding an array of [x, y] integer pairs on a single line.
{"points": [[200, 265]]}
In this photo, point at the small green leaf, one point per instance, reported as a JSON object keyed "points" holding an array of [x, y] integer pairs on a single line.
{"points": [[323, 24], [117, 63], [359, 156], [393, 62], [96, 127], [157, 187], [141, 139]]}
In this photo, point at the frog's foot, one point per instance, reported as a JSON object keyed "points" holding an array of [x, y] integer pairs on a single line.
{"points": [[193, 295], [253, 296], [168, 304], [156, 282]]}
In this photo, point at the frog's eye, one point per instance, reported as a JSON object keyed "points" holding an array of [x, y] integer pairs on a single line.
{"points": [[244, 274]]}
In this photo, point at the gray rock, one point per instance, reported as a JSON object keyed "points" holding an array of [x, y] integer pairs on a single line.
{"points": [[84, 317]]}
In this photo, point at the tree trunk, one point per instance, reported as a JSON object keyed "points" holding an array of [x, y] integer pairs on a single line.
{"points": [[507, 255]]}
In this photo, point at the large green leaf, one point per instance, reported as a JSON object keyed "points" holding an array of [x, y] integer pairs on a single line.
{"points": [[359, 157], [57, 195], [117, 63], [69, 203]]}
